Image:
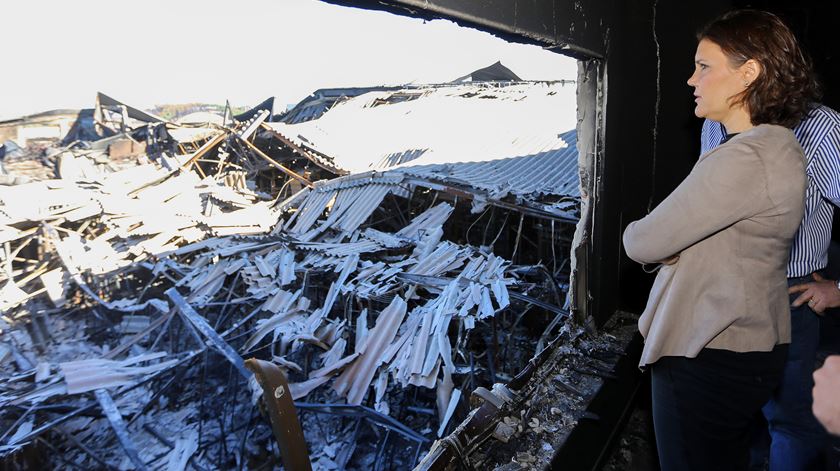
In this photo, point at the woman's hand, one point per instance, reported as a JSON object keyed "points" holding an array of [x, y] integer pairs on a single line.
{"points": [[671, 260], [655, 266]]}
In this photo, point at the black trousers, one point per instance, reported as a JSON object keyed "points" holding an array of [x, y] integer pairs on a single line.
{"points": [[703, 407]]}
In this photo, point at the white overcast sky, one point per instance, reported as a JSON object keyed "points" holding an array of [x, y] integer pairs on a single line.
{"points": [[58, 53]]}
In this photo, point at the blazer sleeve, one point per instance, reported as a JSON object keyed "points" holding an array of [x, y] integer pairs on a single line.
{"points": [[727, 186]]}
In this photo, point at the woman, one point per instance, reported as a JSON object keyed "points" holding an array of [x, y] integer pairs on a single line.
{"points": [[717, 320]]}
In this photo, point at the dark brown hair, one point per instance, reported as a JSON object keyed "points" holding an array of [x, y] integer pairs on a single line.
{"points": [[786, 88]]}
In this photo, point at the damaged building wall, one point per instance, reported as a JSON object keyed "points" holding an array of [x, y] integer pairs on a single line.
{"points": [[47, 125]]}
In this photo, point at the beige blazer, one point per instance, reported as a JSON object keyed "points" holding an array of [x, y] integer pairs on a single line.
{"points": [[732, 222]]}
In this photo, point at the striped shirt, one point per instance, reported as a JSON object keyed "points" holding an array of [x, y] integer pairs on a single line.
{"points": [[819, 136]]}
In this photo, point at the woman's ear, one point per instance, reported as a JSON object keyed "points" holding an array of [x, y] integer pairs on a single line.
{"points": [[750, 70]]}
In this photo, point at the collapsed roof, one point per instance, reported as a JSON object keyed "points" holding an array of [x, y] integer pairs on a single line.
{"points": [[363, 280], [498, 139]]}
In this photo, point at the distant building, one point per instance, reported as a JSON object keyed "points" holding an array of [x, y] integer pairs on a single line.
{"points": [[47, 126]]}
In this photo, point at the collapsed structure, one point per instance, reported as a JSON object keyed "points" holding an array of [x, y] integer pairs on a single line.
{"points": [[393, 250]]}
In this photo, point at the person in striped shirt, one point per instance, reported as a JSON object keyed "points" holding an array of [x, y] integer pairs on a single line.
{"points": [[797, 438]]}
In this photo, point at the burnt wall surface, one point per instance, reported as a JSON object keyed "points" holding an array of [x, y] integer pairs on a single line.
{"points": [[668, 140], [649, 136], [815, 24]]}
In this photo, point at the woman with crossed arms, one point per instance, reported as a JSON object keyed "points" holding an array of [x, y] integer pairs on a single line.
{"points": [[717, 321]]}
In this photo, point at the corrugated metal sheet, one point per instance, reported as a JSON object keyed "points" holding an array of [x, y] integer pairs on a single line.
{"points": [[308, 212], [342, 249], [549, 172], [359, 179], [360, 208], [351, 208], [512, 139], [315, 105]]}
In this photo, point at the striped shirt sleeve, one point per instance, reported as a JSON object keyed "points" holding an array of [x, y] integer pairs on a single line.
{"points": [[825, 164]]}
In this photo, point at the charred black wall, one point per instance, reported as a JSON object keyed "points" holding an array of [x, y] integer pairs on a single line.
{"points": [[668, 140], [815, 25], [650, 138]]}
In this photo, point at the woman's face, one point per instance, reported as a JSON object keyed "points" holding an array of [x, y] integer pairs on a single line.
{"points": [[715, 81]]}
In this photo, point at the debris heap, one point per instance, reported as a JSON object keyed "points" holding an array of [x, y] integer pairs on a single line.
{"points": [[133, 297]]}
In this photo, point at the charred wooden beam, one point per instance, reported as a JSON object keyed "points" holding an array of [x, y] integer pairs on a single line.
{"points": [[277, 165], [308, 154]]}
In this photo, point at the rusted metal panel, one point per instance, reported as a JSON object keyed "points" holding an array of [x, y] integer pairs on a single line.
{"points": [[282, 413]]}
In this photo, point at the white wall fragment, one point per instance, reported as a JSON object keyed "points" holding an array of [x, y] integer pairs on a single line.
{"points": [[354, 381], [11, 295], [54, 282]]}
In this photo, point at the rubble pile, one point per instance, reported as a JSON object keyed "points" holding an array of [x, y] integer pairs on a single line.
{"points": [[132, 297]]}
